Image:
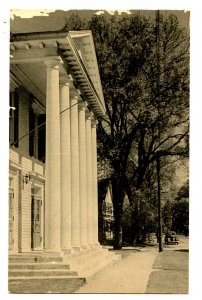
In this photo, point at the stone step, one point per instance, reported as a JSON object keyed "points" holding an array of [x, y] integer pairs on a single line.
{"points": [[97, 263], [34, 258], [85, 256], [79, 254], [38, 266], [47, 273], [40, 285]]}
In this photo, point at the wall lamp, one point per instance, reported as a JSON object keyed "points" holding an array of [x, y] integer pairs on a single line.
{"points": [[25, 179]]}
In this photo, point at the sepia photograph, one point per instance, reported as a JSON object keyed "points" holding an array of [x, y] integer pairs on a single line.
{"points": [[99, 151]]}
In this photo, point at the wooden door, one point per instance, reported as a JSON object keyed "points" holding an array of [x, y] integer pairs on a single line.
{"points": [[11, 220], [36, 222]]}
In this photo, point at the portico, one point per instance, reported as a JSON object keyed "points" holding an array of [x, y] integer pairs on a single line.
{"points": [[56, 91], [64, 78]]}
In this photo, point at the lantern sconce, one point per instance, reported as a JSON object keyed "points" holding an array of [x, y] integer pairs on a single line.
{"points": [[25, 179]]}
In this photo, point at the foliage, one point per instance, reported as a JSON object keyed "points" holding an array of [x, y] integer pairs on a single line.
{"points": [[146, 91], [181, 217], [183, 192], [167, 216]]}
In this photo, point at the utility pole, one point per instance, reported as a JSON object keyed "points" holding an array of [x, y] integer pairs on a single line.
{"points": [[158, 168], [158, 162]]}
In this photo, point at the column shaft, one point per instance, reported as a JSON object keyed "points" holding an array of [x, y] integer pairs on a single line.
{"points": [[94, 183], [65, 165], [52, 157], [75, 227], [82, 173], [89, 178]]}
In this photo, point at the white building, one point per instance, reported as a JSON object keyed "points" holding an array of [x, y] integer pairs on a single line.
{"points": [[55, 99]]}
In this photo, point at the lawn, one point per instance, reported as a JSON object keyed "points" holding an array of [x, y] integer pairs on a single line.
{"points": [[170, 274]]}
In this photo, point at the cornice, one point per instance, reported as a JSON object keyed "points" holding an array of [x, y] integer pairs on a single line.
{"points": [[86, 76]]}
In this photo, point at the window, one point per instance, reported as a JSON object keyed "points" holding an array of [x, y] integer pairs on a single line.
{"points": [[32, 133], [42, 137], [13, 119], [37, 138]]}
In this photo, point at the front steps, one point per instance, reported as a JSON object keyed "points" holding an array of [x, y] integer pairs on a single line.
{"points": [[88, 262], [54, 272], [41, 273]]}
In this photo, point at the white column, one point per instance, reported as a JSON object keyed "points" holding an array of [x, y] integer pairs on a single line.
{"points": [[52, 156], [89, 178], [65, 164], [75, 173], [94, 182], [82, 173]]}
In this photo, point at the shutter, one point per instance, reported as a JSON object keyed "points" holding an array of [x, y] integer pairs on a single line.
{"points": [[32, 133]]}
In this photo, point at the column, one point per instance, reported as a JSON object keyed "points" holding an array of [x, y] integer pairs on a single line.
{"points": [[94, 182], [75, 226], [82, 173], [52, 156], [65, 160], [89, 178]]}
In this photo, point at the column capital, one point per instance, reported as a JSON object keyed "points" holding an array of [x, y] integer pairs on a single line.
{"points": [[94, 123], [75, 94], [82, 105], [52, 62], [66, 79], [89, 115]]}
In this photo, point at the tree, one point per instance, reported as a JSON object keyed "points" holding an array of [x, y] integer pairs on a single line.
{"points": [[120, 48], [167, 216], [146, 96], [180, 210], [183, 193], [181, 217], [141, 116]]}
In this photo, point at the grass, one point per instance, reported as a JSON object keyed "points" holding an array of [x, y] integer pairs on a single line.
{"points": [[170, 275]]}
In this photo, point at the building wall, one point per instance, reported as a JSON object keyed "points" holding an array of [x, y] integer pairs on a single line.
{"points": [[20, 165], [13, 189], [26, 206]]}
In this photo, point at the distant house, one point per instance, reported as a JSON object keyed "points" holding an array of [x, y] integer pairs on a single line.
{"points": [[108, 217], [106, 213]]}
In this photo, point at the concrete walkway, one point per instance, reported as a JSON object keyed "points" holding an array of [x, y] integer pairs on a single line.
{"points": [[138, 271], [129, 275]]}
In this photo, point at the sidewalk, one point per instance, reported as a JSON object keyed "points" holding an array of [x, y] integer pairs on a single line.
{"points": [[129, 275], [143, 271]]}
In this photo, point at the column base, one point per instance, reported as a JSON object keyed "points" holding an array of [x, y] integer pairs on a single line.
{"points": [[76, 249], [48, 251], [84, 247], [67, 250]]}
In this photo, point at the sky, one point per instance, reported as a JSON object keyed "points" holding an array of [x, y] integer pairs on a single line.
{"points": [[42, 20]]}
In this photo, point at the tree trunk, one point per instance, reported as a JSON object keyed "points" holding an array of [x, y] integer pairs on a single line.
{"points": [[118, 193], [117, 228]]}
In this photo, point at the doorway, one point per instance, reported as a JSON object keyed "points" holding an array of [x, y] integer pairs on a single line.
{"points": [[36, 218], [11, 214]]}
